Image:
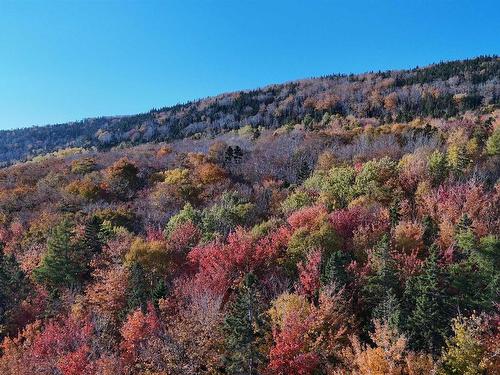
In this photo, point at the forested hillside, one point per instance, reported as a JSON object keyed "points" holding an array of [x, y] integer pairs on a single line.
{"points": [[338, 225], [440, 90]]}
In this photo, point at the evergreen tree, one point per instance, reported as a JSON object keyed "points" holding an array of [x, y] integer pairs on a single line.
{"points": [[63, 265], [245, 328], [303, 172], [458, 159], [333, 271], [493, 143], [14, 287], [464, 236], [256, 133], [426, 308], [482, 130], [229, 154], [476, 277], [159, 292], [388, 310], [137, 287], [394, 213], [438, 167], [238, 154], [431, 231], [91, 243], [308, 120], [382, 286]]}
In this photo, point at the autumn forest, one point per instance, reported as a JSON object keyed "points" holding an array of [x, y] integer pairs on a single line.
{"points": [[346, 224]]}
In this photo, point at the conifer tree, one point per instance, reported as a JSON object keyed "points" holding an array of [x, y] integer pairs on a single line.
{"points": [[431, 231], [14, 287], [388, 310], [229, 154], [426, 306], [438, 167], [464, 236], [334, 269], [493, 143], [394, 213], [303, 172], [159, 292], [91, 243], [137, 288], [63, 264], [238, 154], [245, 328], [382, 286], [476, 277]]}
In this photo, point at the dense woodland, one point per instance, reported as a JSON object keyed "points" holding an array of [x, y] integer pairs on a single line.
{"points": [[340, 225], [440, 90]]}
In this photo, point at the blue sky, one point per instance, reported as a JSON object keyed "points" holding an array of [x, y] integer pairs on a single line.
{"points": [[66, 60]]}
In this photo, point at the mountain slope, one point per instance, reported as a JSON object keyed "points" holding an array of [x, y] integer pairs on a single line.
{"points": [[440, 90]]}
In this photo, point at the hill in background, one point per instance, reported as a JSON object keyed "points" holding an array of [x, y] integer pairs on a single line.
{"points": [[441, 91]]}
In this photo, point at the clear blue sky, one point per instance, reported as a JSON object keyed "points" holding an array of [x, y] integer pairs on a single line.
{"points": [[67, 60]]}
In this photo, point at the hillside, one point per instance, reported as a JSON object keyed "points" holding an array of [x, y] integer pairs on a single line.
{"points": [[337, 225], [440, 90]]}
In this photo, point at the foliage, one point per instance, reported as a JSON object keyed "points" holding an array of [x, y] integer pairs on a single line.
{"points": [[122, 178], [225, 215], [438, 167], [464, 353], [14, 287], [376, 179], [337, 225], [245, 328], [426, 309], [388, 356], [382, 284], [493, 143], [64, 263], [83, 166], [295, 201], [153, 256]]}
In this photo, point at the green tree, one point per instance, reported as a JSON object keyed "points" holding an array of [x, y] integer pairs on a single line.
{"points": [[476, 277], [377, 179], [160, 291], [308, 120], [382, 285], [298, 199], [303, 172], [438, 167], [225, 215], [186, 214], [91, 242], [64, 263], [394, 214], [83, 166], [425, 306], [229, 154], [458, 159], [388, 310], [465, 238], [245, 327], [138, 294], [338, 188], [14, 287], [493, 143], [333, 271], [431, 231], [122, 178]]}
